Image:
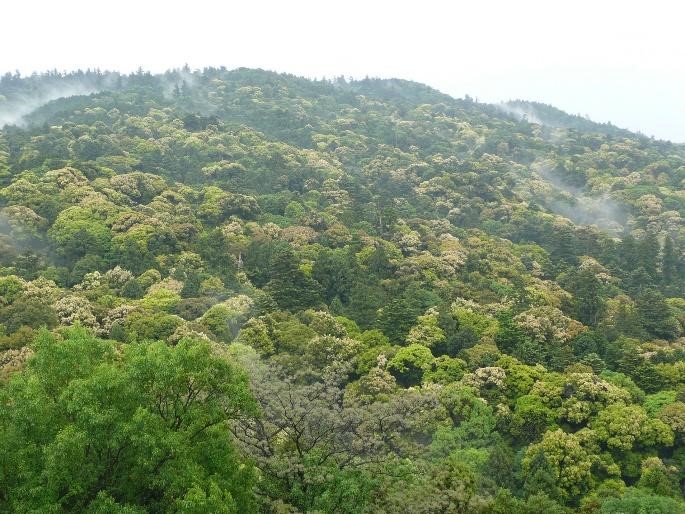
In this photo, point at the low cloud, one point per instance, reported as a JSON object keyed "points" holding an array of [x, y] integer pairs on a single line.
{"points": [[520, 112], [580, 205], [17, 104]]}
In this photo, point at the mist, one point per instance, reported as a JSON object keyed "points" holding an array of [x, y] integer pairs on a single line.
{"points": [[519, 113], [177, 78], [580, 205], [17, 104]]}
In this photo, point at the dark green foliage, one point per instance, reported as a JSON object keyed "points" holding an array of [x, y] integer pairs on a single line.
{"points": [[32, 312], [290, 287], [259, 258], [397, 317], [655, 315], [337, 271], [670, 267], [541, 479], [588, 301], [510, 337]]}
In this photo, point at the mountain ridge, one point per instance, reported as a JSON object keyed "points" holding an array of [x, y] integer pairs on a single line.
{"points": [[519, 109]]}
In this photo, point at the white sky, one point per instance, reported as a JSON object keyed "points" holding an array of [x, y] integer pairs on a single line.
{"points": [[618, 61]]}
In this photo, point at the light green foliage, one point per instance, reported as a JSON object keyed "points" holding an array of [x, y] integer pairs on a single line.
{"points": [[445, 370], [10, 288], [224, 319], [569, 460], [472, 421], [621, 428], [654, 403], [659, 478], [447, 488], [154, 326], [427, 331], [578, 396], [481, 324], [636, 501], [161, 299], [410, 363], [373, 338], [530, 418], [520, 378], [117, 431], [674, 416], [294, 210], [255, 333], [78, 231]]}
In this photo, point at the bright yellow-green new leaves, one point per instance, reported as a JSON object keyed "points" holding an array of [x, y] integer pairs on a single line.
{"points": [[569, 460], [426, 332], [410, 363], [78, 231], [160, 299], [578, 396], [622, 428]]}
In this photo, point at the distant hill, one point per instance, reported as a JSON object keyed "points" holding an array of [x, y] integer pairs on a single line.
{"points": [[543, 114]]}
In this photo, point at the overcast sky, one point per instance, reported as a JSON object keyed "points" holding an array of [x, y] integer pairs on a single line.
{"points": [[618, 61]]}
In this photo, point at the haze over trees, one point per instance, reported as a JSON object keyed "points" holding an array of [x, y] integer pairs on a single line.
{"points": [[241, 291]]}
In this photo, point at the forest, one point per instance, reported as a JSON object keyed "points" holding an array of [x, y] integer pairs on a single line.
{"points": [[237, 291]]}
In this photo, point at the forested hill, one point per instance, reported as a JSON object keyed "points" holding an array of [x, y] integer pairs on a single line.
{"points": [[242, 291], [549, 115]]}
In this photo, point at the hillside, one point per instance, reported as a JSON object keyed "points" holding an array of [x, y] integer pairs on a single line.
{"points": [[242, 291], [548, 115]]}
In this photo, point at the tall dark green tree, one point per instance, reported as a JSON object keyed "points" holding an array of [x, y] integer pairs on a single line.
{"points": [[670, 263], [587, 301], [655, 315], [336, 271], [290, 287], [648, 254]]}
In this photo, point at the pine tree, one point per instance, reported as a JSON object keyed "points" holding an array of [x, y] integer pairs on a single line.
{"points": [[541, 478], [669, 266], [628, 252], [655, 315], [290, 287], [588, 301], [648, 254]]}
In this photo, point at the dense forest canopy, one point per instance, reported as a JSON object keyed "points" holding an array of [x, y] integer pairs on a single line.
{"points": [[240, 291]]}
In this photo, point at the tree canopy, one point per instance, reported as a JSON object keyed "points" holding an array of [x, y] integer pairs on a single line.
{"points": [[241, 291]]}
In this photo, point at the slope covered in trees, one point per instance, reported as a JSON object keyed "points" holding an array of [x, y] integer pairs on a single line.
{"points": [[239, 291]]}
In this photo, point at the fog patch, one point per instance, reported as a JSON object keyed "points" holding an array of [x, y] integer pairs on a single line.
{"points": [[21, 96], [579, 204], [520, 112], [178, 80]]}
